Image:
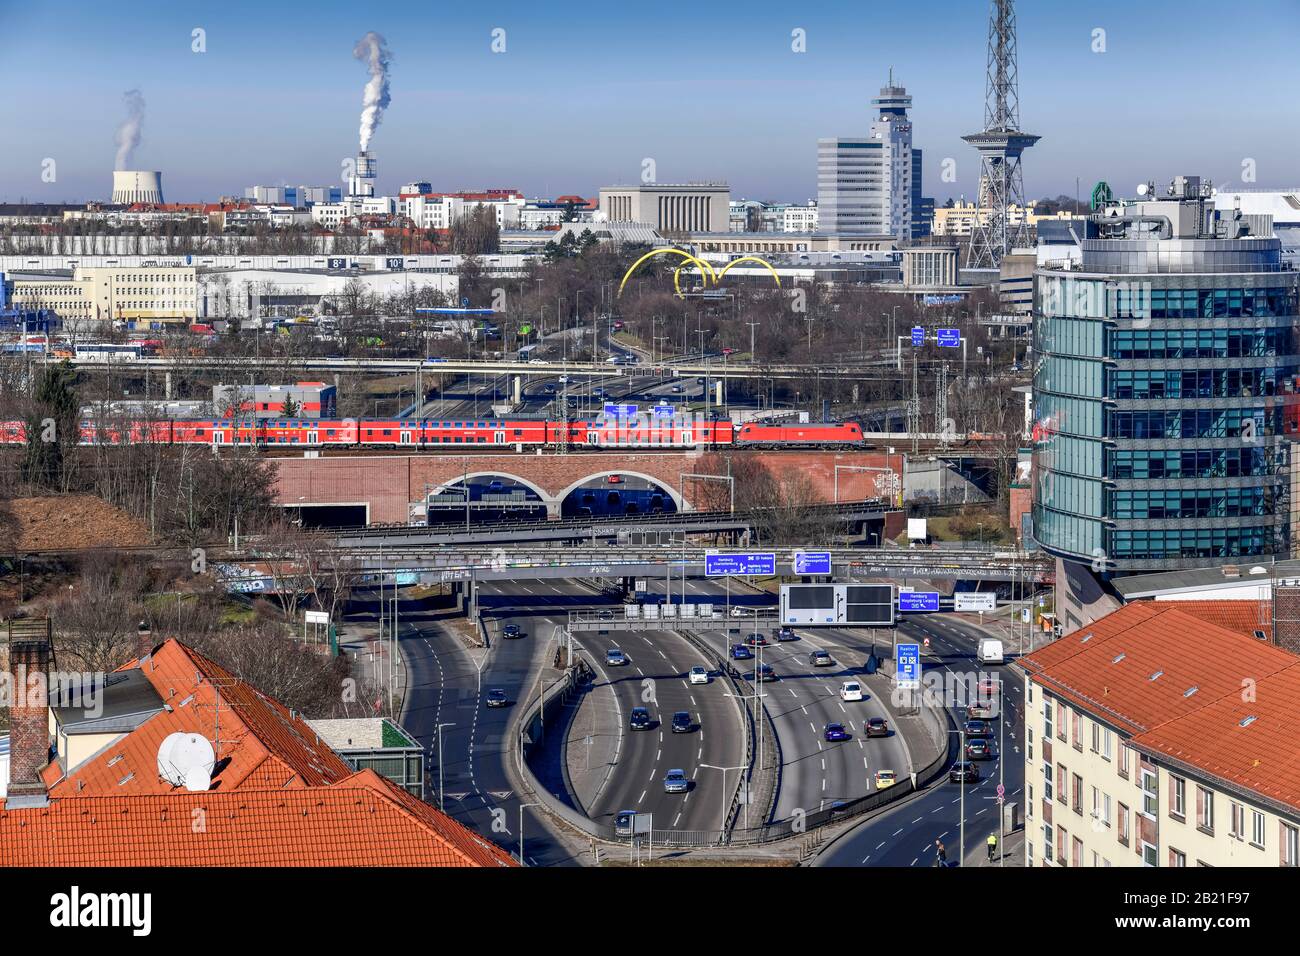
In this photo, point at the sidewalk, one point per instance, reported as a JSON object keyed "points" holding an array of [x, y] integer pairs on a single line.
{"points": [[1010, 851]]}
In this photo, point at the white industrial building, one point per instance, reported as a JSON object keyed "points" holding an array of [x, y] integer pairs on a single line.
{"points": [[433, 211], [670, 207], [135, 185]]}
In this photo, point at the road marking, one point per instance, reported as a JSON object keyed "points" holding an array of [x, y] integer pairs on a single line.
{"points": [[882, 843], [640, 798]]}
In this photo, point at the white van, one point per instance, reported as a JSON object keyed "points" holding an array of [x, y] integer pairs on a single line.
{"points": [[990, 651]]}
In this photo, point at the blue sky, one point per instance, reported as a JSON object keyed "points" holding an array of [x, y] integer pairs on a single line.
{"points": [[586, 90]]}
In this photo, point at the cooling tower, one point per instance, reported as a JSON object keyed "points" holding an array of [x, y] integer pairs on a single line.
{"points": [[132, 186]]}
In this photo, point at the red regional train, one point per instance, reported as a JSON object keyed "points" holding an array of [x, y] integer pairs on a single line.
{"points": [[423, 433]]}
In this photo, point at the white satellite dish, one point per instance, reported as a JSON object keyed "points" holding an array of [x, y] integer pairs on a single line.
{"points": [[186, 760], [1141, 189]]}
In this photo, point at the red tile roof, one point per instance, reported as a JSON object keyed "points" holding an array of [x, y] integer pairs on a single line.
{"points": [[1180, 687], [363, 821], [279, 795], [1244, 617]]}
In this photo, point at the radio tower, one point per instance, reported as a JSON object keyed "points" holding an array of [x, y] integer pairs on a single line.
{"points": [[1000, 145]]}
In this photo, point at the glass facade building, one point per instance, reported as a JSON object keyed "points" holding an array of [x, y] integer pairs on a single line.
{"points": [[1164, 391]]}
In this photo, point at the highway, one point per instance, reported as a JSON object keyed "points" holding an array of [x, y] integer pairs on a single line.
{"points": [[905, 835], [445, 686], [815, 773], [656, 678]]}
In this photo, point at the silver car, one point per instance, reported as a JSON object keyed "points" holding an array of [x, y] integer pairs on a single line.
{"points": [[676, 781]]}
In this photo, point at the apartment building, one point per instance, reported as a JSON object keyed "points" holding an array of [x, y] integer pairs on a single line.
{"points": [[138, 296], [1161, 735]]}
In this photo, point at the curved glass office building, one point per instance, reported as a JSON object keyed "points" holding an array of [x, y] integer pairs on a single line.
{"points": [[1164, 388]]}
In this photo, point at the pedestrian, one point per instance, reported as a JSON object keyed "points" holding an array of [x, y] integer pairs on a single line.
{"points": [[941, 853], [993, 845]]}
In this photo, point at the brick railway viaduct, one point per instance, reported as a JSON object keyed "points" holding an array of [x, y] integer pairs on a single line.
{"points": [[387, 485]]}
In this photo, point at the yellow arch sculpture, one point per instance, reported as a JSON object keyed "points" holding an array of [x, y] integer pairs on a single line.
{"points": [[735, 262], [705, 268], [686, 265]]}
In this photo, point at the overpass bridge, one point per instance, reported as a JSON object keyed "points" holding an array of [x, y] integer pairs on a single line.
{"points": [[467, 566]]}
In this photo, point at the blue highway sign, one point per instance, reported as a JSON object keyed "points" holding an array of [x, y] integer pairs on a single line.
{"points": [[918, 336], [918, 600], [812, 562], [948, 338], [620, 411], [907, 664], [743, 563]]}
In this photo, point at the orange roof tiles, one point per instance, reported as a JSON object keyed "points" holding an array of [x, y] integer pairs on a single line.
{"points": [[364, 821], [1244, 617], [1180, 687], [279, 795]]}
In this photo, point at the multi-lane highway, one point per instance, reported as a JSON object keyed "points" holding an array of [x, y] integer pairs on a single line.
{"points": [[655, 678], [906, 834]]}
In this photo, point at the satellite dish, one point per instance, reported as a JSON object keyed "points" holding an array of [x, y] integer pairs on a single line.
{"points": [[1142, 189], [184, 758]]}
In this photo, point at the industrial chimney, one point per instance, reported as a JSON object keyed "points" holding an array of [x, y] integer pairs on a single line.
{"points": [[362, 182], [29, 713]]}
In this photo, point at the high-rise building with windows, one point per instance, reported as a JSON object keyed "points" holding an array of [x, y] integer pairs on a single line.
{"points": [[1164, 390], [871, 185]]}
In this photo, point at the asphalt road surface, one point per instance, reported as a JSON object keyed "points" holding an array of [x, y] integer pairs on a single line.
{"points": [[905, 835]]}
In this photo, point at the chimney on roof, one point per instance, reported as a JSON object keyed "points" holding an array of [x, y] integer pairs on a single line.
{"points": [[143, 641], [1286, 616], [29, 712]]}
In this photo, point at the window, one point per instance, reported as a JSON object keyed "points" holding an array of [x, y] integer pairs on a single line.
{"points": [[1105, 744], [1290, 844], [1076, 852], [1122, 828], [1257, 829], [1122, 767], [1047, 781], [1096, 737], [1047, 718], [1204, 809], [1150, 795], [1061, 844], [1047, 842], [1237, 820], [1149, 857], [1177, 798], [1076, 730], [1060, 722], [1076, 794], [1177, 857], [1061, 780]]}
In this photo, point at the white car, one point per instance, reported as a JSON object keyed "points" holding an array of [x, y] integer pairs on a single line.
{"points": [[739, 612], [698, 675], [850, 690]]}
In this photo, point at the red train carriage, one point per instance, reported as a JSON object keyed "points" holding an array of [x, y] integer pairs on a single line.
{"points": [[810, 435]]}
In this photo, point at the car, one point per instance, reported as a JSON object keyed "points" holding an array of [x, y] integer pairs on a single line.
{"points": [[756, 640], [850, 690], [549, 388], [737, 612], [963, 771], [698, 675], [877, 727], [676, 781], [885, 778], [977, 728], [598, 392], [682, 722], [978, 749], [764, 673], [511, 631], [615, 658], [785, 634], [615, 480], [739, 652], [821, 658], [496, 697], [605, 614], [835, 732], [639, 719], [537, 361], [678, 389]]}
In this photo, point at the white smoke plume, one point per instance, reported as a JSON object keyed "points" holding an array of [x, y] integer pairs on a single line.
{"points": [[373, 49], [127, 136]]}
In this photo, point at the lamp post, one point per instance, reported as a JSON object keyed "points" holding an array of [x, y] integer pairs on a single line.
{"points": [[522, 807], [709, 766], [440, 802], [961, 757]]}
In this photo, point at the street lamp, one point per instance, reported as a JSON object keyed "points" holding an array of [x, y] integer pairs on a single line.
{"points": [[440, 803], [709, 766], [961, 757], [522, 807]]}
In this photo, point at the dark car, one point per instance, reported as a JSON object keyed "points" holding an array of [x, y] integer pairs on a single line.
{"points": [[877, 727], [682, 722], [978, 749], [764, 673], [785, 634], [977, 728], [511, 631], [821, 659], [640, 719], [837, 732], [496, 697], [756, 640], [963, 771], [739, 652]]}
